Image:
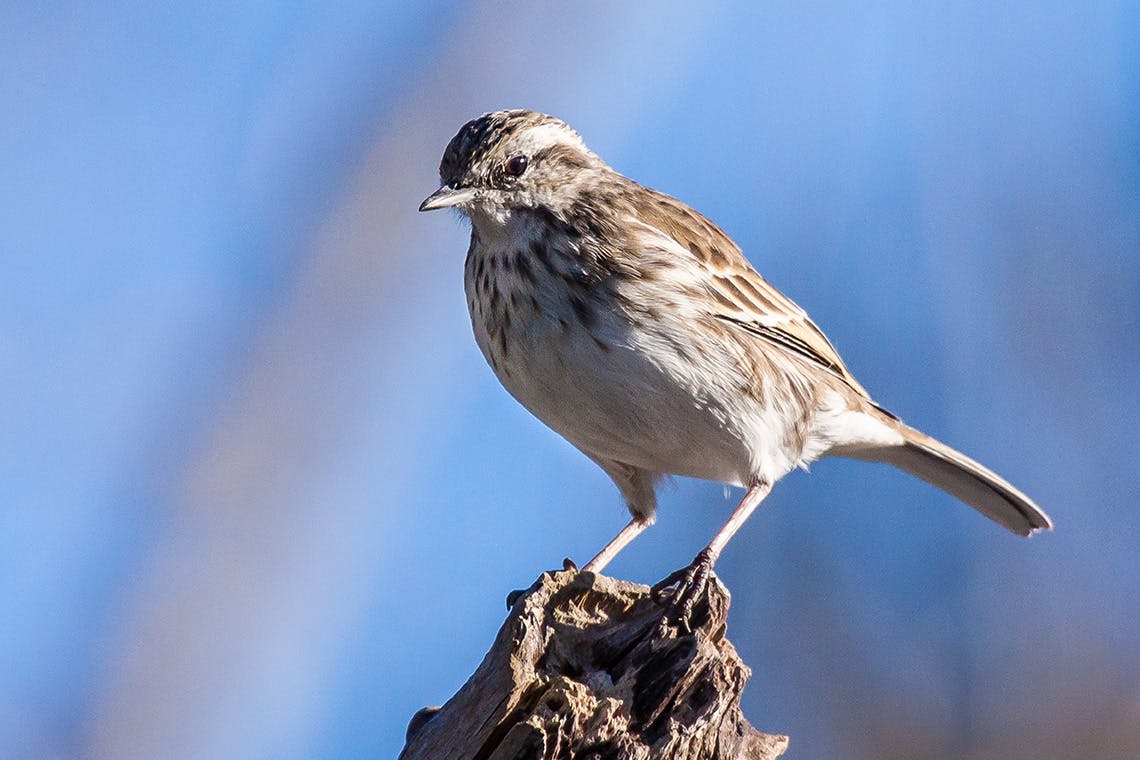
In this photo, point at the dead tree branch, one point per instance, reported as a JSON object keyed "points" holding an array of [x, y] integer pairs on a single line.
{"points": [[584, 668]]}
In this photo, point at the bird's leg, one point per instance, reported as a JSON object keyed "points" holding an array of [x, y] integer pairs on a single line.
{"points": [[631, 531], [619, 542], [690, 582]]}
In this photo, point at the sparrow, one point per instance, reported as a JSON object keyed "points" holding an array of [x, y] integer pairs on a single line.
{"points": [[635, 328]]}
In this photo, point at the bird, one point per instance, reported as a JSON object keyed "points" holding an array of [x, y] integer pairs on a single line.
{"points": [[635, 327]]}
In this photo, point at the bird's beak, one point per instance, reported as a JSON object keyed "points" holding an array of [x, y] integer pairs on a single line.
{"points": [[447, 196]]}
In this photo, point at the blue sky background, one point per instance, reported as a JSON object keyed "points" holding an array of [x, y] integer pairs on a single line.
{"points": [[262, 498]]}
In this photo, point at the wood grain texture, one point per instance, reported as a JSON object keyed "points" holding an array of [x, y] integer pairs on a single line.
{"points": [[584, 668]]}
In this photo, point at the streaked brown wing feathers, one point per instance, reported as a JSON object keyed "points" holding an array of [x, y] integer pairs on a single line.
{"points": [[737, 293]]}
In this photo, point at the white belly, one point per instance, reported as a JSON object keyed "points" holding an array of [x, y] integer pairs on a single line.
{"points": [[625, 395]]}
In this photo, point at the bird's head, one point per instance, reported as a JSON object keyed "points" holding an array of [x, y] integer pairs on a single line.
{"points": [[509, 160]]}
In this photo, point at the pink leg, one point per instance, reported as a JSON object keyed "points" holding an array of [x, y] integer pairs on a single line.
{"points": [[619, 542], [748, 504], [692, 581]]}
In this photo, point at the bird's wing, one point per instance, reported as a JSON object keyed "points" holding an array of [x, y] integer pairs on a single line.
{"points": [[737, 294]]}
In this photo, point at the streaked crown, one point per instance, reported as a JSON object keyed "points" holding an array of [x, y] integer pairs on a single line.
{"points": [[510, 160], [482, 141]]}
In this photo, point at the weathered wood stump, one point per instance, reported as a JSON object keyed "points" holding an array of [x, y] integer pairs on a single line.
{"points": [[584, 667]]}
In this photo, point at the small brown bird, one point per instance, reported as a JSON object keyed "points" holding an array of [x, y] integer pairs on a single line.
{"points": [[635, 327]]}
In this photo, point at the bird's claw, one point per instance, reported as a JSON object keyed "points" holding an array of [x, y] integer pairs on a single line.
{"points": [[518, 593], [514, 596], [685, 587]]}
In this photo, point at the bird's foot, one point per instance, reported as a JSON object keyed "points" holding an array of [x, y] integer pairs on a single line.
{"points": [[518, 593], [680, 592]]}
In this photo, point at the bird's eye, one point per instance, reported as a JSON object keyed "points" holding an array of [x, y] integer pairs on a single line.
{"points": [[516, 165]]}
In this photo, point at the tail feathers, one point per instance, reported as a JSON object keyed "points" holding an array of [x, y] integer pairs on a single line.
{"points": [[962, 477]]}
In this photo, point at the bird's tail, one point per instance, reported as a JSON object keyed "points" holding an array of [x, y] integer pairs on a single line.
{"points": [[958, 475]]}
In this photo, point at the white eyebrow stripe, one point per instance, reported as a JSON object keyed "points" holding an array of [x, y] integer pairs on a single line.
{"points": [[546, 135]]}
